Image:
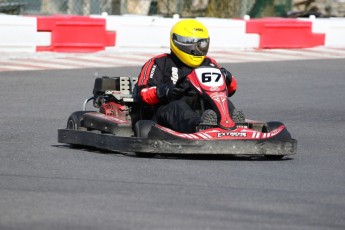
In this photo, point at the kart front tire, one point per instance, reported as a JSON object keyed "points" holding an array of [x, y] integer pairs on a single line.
{"points": [[274, 157], [284, 135], [238, 116], [145, 155]]}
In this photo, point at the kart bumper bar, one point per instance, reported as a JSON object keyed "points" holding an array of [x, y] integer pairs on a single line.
{"points": [[144, 145]]}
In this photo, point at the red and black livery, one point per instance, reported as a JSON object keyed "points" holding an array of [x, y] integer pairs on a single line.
{"points": [[120, 123]]}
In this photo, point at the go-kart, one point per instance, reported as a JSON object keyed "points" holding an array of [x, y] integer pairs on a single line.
{"points": [[123, 124]]}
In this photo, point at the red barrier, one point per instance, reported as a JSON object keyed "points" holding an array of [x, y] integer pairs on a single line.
{"points": [[75, 33], [284, 33]]}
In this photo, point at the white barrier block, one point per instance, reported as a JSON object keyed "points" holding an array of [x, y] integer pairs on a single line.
{"points": [[334, 28], [154, 32], [17, 33], [43, 39], [229, 33], [113, 21], [140, 31]]}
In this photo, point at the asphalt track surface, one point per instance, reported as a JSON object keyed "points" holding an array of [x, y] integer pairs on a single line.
{"points": [[47, 185]]}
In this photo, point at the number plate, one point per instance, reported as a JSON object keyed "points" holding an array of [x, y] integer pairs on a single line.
{"points": [[209, 77]]}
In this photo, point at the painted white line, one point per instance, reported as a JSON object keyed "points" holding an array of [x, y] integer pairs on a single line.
{"points": [[307, 53], [22, 65], [122, 59], [112, 61], [19, 68]]}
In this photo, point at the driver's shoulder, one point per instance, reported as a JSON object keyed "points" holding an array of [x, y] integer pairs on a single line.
{"points": [[161, 57]]}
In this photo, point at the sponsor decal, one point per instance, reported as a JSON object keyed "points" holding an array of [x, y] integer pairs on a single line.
{"points": [[219, 96], [215, 88], [174, 74], [232, 134], [112, 92], [153, 70]]}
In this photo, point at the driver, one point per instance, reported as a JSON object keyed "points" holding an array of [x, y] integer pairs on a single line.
{"points": [[189, 43]]}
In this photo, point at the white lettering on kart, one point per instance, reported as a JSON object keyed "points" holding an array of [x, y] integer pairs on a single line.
{"points": [[232, 134]]}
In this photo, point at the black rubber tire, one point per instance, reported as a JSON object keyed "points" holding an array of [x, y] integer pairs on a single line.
{"points": [[284, 135], [142, 129], [145, 155], [274, 157], [75, 120], [237, 116]]}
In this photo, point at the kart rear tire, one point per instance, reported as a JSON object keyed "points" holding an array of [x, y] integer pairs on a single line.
{"points": [[75, 120], [142, 129]]}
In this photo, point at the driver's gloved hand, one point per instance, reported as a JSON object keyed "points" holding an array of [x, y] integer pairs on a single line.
{"points": [[227, 75], [169, 92]]}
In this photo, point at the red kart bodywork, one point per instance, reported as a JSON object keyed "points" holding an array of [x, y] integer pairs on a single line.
{"points": [[112, 128]]}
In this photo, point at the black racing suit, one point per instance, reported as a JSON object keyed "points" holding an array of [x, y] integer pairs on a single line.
{"points": [[166, 69]]}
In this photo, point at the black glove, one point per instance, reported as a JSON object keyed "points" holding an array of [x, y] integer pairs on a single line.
{"points": [[228, 79], [227, 75], [169, 92]]}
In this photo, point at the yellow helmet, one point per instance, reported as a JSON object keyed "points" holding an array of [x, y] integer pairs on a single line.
{"points": [[189, 41]]}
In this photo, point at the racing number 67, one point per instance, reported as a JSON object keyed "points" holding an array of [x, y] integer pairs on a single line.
{"points": [[208, 76]]}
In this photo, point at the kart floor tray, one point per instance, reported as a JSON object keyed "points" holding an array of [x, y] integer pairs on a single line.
{"points": [[145, 145]]}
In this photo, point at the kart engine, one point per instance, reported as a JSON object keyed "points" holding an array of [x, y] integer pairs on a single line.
{"points": [[105, 93]]}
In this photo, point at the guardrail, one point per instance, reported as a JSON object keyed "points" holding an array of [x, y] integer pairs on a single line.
{"points": [[75, 33], [61, 33], [285, 33]]}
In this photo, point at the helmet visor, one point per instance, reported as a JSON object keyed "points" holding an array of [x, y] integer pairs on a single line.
{"points": [[193, 46]]}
